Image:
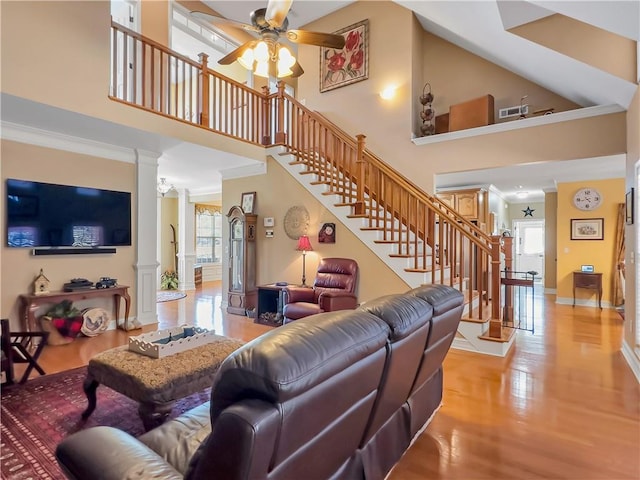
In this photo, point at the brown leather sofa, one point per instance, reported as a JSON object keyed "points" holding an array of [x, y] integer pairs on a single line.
{"points": [[336, 395]]}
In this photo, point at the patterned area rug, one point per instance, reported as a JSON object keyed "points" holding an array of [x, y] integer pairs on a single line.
{"points": [[168, 295], [36, 416]]}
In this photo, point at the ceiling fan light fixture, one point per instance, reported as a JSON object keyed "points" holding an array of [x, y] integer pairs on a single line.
{"points": [[262, 69], [247, 59], [261, 52]]}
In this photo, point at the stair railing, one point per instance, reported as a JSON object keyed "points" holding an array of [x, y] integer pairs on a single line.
{"points": [[434, 238]]}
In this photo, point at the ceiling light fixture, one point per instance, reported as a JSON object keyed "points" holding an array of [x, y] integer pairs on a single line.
{"points": [[522, 194], [265, 55], [164, 187]]}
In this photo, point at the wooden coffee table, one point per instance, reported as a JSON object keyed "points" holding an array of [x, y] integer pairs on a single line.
{"points": [[156, 383]]}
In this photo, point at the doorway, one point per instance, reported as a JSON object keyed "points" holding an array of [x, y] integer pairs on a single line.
{"points": [[529, 247]]}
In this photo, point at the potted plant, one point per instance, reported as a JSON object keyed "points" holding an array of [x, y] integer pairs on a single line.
{"points": [[169, 280]]}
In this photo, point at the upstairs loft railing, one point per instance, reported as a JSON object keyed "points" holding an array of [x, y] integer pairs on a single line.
{"points": [[434, 238]]}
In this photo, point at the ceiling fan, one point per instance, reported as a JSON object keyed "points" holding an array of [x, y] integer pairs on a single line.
{"points": [[266, 56]]}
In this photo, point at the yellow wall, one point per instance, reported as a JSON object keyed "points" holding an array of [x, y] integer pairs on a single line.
{"points": [[599, 253], [278, 260], [19, 267], [550, 240]]}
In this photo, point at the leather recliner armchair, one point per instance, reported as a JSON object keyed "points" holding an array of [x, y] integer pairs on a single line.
{"points": [[333, 289]]}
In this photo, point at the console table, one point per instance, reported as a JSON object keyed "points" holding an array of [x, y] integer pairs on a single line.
{"points": [[30, 302], [588, 280]]}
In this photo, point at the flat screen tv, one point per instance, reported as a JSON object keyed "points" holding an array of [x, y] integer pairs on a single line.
{"points": [[49, 215]]}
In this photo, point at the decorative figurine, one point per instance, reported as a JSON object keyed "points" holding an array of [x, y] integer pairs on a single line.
{"points": [[41, 284]]}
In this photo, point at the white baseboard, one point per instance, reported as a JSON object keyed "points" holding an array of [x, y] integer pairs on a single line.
{"points": [[580, 302], [550, 291], [632, 359]]}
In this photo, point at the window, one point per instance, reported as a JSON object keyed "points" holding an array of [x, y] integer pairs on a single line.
{"points": [[208, 234]]}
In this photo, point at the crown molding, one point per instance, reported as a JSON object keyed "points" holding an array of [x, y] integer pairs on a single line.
{"points": [[59, 141], [245, 171]]}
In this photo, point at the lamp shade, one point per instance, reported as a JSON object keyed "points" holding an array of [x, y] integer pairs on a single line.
{"points": [[304, 245]]}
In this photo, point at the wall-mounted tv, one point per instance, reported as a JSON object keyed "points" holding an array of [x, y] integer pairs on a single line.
{"points": [[49, 215]]}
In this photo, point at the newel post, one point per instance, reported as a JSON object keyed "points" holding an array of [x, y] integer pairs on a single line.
{"points": [[266, 116], [495, 323], [360, 170], [281, 136], [509, 294], [203, 104]]}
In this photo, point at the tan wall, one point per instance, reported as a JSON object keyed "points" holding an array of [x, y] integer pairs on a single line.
{"points": [[278, 260], [550, 239], [154, 18], [168, 217], [449, 69], [599, 253], [516, 211], [632, 325], [586, 43], [357, 108], [19, 267]]}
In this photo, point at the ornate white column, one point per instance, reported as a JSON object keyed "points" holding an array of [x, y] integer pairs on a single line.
{"points": [[186, 240], [146, 244]]}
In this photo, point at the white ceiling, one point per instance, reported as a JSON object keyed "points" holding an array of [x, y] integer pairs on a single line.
{"points": [[477, 26]]}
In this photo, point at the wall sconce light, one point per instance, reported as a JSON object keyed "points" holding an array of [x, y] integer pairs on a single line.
{"points": [[388, 93]]}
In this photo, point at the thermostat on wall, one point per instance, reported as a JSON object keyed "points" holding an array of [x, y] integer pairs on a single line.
{"points": [[587, 268], [268, 221]]}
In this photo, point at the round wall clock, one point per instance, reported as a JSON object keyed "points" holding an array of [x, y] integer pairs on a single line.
{"points": [[296, 222], [587, 199]]}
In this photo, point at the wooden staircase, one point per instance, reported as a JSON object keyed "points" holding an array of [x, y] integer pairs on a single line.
{"points": [[421, 238]]}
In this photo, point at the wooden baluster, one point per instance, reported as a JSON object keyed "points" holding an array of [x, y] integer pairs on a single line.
{"points": [[203, 104], [508, 313]]}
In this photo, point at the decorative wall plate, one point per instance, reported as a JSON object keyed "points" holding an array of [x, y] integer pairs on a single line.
{"points": [[296, 222]]}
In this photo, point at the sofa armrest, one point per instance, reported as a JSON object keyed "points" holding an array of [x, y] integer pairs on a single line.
{"points": [[298, 294], [110, 454], [332, 301]]}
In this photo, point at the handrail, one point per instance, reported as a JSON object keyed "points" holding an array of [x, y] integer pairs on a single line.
{"points": [[432, 236]]}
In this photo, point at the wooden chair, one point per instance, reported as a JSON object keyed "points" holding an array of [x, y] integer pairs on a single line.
{"points": [[20, 347]]}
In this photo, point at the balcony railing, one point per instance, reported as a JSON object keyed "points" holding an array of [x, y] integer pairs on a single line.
{"points": [[434, 238]]}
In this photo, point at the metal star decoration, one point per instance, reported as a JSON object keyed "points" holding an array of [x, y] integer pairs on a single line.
{"points": [[528, 212]]}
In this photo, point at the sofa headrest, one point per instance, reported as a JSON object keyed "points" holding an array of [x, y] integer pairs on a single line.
{"points": [[403, 313], [291, 359], [442, 297]]}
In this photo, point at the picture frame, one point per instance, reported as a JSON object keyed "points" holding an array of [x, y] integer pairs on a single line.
{"points": [[628, 207], [587, 229], [248, 202], [340, 67], [327, 233]]}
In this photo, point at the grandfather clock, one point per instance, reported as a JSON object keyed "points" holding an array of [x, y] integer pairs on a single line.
{"points": [[242, 261]]}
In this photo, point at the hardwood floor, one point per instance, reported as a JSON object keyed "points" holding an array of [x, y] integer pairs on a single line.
{"points": [[563, 403]]}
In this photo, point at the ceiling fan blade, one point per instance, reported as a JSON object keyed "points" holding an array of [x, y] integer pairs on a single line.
{"points": [[329, 40], [277, 11], [237, 53], [214, 18], [297, 70]]}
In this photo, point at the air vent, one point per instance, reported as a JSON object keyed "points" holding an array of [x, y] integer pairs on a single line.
{"points": [[517, 111]]}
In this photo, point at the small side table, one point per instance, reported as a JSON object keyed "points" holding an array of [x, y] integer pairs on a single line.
{"points": [[270, 304], [588, 280]]}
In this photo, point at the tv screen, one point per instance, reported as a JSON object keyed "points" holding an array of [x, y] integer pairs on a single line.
{"points": [[49, 215]]}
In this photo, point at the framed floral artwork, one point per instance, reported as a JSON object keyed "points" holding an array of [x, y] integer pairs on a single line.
{"points": [[340, 67], [587, 229]]}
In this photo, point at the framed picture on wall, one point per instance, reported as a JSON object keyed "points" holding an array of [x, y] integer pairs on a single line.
{"points": [[248, 202], [628, 203], [349, 64], [587, 229]]}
